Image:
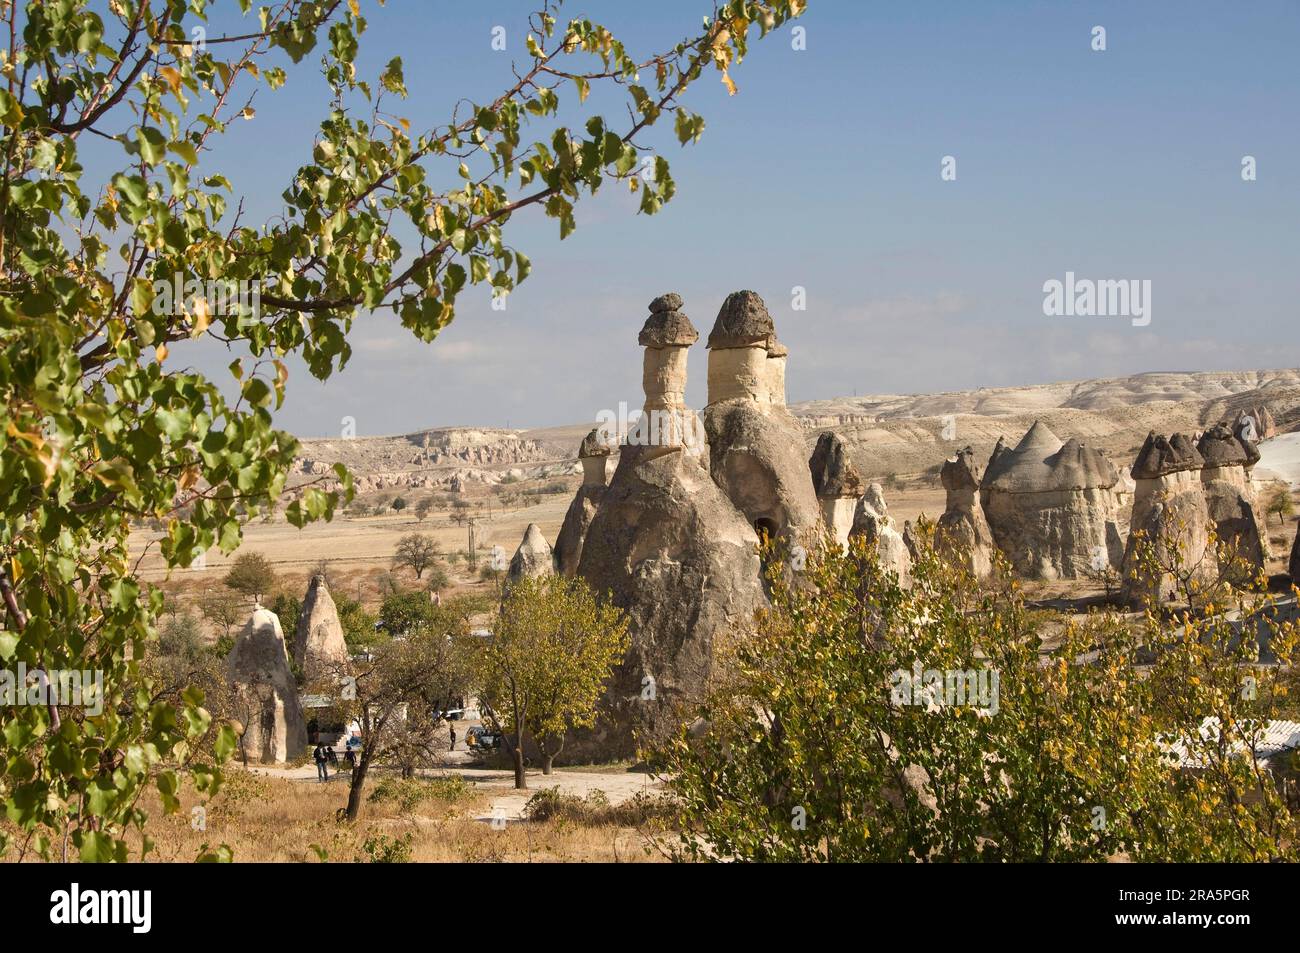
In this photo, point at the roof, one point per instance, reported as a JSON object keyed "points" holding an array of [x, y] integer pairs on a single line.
{"points": [[1274, 738]]}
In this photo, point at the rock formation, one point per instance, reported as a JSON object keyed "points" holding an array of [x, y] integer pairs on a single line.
{"points": [[1052, 506], [757, 453], [265, 697], [962, 532], [534, 557], [836, 483], [1230, 495], [1294, 566], [593, 453], [669, 548], [872, 521], [319, 647], [1169, 516]]}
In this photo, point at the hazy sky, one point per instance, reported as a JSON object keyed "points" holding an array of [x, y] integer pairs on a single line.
{"points": [[824, 172]]}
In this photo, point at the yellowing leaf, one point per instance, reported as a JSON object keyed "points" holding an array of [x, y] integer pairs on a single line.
{"points": [[202, 316], [172, 76], [160, 352], [726, 81]]}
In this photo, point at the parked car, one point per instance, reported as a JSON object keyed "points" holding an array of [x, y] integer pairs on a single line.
{"points": [[482, 738]]}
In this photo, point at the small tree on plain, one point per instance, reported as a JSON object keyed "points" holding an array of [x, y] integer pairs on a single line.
{"points": [[415, 551], [422, 508], [251, 575], [1281, 504]]}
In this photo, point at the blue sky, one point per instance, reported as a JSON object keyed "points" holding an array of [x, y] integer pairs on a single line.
{"points": [[823, 172]]}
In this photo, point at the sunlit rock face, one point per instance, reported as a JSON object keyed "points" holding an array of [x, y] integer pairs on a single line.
{"points": [[1230, 494], [872, 521], [1052, 507], [757, 453], [962, 533], [836, 483], [265, 696], [594, 453], [1170, 518], [668, 547], [534, 559], [319, 647]]}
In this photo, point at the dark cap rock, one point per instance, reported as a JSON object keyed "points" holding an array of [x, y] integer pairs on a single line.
{"points": [[961, 472], [1220, 447], [1161, 455], [593, 445], [671, 301], [743, 321], [667, 328], [833, 474]]}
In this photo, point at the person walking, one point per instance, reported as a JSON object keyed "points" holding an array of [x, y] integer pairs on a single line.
{"points": [[452, 728], [322, 762]]}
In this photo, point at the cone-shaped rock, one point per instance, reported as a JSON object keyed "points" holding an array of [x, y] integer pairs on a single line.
{"points": [[872, 521], [319, 647], [1053, 507], [534, 557], [265, 697]]}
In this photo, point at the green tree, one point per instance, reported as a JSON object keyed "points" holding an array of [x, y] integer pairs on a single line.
{"points": [[416, 552], [251, 574], [402, 691], [100, 427], [1280, 504], [821, 740], [544, 669], [221, 606], [423, 507], [399, 504], [407, 611]]}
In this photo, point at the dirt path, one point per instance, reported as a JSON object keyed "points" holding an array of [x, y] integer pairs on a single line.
{"points": [[506, 803]]}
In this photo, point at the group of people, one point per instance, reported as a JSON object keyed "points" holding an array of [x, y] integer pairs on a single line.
{"points": [[324, 755]]}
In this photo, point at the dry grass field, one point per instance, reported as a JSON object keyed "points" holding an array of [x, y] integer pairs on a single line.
{"points": [[277, 816]]}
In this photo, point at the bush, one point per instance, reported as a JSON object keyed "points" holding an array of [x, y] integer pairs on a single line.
{"points": [[382, 849], [410, 793], [595, 810]]}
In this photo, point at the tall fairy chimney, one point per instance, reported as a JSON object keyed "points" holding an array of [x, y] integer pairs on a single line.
{"points": [[738, 351], [594, 454], [666, 336]]}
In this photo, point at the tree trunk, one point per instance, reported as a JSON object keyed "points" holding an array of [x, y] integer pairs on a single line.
{"points": [[358, 782], [547, 760], [521, 779]]}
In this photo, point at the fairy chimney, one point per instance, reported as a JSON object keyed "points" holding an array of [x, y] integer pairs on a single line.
{"points": [[963, 532], [319, 647], [757, 453], [534, 557], [1052, 506], [594, 453], [871, 520], [264, 694], [1170, 519], [1230, 494], [836, 483]]}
